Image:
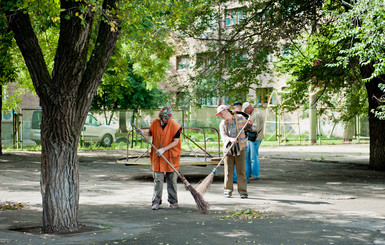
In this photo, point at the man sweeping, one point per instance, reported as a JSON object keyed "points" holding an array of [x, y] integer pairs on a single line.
{"points": [[165, 133]]}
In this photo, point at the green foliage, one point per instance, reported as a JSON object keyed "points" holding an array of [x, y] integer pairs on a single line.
{"points": [[363, 27], [309, 66], [7, 69], [380, 111], [10, 72], [145, 28], [130, 92]]}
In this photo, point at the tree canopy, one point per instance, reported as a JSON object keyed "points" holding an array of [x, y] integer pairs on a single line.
{"points": [[130, 92], [243, 37], [66, 75], [329, 48]]}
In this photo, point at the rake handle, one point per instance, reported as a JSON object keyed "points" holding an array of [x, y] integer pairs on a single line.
{"points": [[231, 146]]}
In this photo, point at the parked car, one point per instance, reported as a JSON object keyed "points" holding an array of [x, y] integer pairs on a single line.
{"points": [[93, 130]]}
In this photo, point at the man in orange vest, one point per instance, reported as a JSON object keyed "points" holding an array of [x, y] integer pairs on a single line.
{"points": [[165, 133]]}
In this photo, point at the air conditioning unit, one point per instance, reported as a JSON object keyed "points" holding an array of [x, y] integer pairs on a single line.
{"points": [[6, 117]]}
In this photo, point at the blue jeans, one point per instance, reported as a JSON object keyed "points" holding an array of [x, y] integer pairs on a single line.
{"points": [[252, 160]]}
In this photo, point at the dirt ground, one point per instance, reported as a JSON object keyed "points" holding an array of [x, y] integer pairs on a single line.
{"points": [[294, 202]]}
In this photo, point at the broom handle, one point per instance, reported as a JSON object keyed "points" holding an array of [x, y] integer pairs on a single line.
{"points": [[145, 138], [142, 154], [231, 146]]}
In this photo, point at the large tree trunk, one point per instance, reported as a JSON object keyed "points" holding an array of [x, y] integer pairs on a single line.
{"points": [[59, 174], [60, 130], [376, 126], [65, 99]]}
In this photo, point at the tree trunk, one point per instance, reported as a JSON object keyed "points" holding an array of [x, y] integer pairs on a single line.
{"points": [[122, 122], [349, 130], [376, 126], [60, 132], [65, 99], [1, 118]]}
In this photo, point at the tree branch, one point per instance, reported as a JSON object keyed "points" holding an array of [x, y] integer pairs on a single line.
{"points": [[96, 66], [26, 39], [73, 43]]}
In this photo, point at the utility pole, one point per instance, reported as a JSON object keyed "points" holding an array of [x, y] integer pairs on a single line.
{"points": [[219, 83]]}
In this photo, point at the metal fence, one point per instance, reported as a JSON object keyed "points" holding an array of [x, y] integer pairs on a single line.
{"points": [[281, 128]]}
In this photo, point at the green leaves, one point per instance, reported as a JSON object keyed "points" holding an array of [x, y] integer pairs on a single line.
{"points": [[363, 26]]}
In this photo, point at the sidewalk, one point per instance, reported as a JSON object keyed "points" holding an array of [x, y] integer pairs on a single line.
{"points": [[344, 153], [334, 199]]}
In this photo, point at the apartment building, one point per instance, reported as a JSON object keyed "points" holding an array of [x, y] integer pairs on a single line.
{"points": [[194, 55]]}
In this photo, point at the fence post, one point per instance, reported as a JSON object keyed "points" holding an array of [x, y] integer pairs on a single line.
{"points": [[312, 116], [358, 128]]}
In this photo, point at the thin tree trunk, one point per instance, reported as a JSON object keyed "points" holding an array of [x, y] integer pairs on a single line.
{"points": [[122, 122], [349, 129], [1, 118], [376, 126]]}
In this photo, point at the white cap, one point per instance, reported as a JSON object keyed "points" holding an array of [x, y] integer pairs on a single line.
{"points": [[245, 105], [221, 108]]}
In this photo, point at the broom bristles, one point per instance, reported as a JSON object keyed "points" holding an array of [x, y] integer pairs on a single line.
{"points": [[205, 184], [202, 204]]}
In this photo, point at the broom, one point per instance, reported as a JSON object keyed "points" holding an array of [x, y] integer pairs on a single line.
{"points": [[205, 184], [202, 204]]}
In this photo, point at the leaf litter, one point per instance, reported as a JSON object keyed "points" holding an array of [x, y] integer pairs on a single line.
{"points": [[246, 214]]}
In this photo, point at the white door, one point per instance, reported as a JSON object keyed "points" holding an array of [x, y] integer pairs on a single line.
{"points": [[90, 130]]}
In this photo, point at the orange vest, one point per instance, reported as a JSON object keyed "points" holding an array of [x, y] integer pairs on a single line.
{"points": [[161, 138]]}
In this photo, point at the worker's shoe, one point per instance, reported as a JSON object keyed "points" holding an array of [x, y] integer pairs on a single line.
{"points": [[174, 205], [227, 195], [243, 196], [155, 206]]}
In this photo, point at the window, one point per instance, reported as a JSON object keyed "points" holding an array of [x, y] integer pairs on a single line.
{"points": [[183, 62], [263, 96], [235, 16], [234, 58], [285, 51], [213, 101], [182, 99], [204, 59], [267, 13], [91, 120], [209, 101]]}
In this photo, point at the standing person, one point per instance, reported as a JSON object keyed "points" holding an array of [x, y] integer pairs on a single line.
{"points": [[255, 137], [165, 133], [237, 106], [230, 127]]}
